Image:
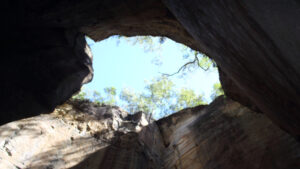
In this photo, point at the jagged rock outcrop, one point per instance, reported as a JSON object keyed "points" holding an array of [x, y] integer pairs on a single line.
{"points": [[81, 135]]}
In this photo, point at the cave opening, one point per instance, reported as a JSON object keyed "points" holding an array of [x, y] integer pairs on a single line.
{"points": [[255, 44], [152, 74]]}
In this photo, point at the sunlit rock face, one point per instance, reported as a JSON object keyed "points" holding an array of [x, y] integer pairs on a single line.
{"points": [[82, 135], [226, 135]]}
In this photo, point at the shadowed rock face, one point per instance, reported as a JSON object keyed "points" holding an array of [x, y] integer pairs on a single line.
{"points": [[249, 42], [255, 43], [47, 59], [82, 135], [43, 69]]}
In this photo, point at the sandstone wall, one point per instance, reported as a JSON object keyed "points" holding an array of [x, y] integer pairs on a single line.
{"points": [[82, 135], [225, 135], [254, 43]]}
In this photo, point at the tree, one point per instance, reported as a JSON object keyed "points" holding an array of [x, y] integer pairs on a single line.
{"points": [[195, 59], [187, 98], [110, 98], [159, 99], [134, 102]]}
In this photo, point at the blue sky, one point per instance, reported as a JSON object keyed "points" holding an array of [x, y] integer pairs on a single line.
{"points": [[121, 64]]}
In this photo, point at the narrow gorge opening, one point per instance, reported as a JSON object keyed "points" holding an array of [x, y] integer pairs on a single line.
{"points": [[155, 75]]}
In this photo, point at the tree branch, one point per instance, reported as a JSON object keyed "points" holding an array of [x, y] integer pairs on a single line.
{"points": [[196, 60]]}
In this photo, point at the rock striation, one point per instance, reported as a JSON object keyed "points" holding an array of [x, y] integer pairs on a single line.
{"points": [[82, 135], [226, 135], [255, 43]]}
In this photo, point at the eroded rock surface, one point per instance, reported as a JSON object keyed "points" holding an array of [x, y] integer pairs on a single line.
{"points": [[254, 42], [82, 135], [226, 135]]}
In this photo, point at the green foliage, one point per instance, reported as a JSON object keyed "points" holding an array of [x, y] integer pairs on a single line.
{"points": [[146, 41], [195, 59], [159, 99], [110, 96], [134, 102], [188, 98], [160, 94], [109, 99], [79, 96], [205, 62], [97, 98], [217, 91]]}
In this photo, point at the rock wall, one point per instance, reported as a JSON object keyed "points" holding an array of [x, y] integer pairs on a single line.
{"points": [[255, 43], [43, 67], [46, 59], [82, 135], [225, 135]]}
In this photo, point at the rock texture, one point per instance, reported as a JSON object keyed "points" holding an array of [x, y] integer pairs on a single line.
{"points": [[45, 60], [226, 135], [254, 42], [81, 135]]}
